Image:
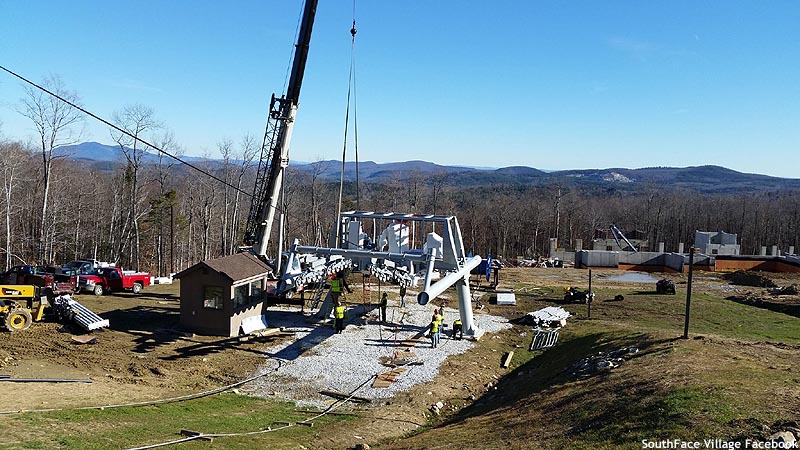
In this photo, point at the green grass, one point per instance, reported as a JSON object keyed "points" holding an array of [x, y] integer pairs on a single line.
{"points": [[674, 388], [709, 315], [130, 427]]}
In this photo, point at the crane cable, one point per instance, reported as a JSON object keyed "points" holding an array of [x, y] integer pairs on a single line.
{"points": [[351, 91]]}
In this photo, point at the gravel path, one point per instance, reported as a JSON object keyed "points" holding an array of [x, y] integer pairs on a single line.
{"points": [[319, 359]]}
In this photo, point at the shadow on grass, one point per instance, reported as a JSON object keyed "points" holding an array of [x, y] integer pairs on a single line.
{"points": [[789, 309], [551, 369]]}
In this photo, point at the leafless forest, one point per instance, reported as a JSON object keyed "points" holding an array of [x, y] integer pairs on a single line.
{"points": [[164, 216]]}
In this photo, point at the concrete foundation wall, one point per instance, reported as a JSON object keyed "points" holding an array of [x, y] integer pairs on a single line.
{"points": [[732, 265], [563, 255], [642, 268], [586, 258]]}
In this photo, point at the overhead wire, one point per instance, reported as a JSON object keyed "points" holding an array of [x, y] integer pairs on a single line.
{"points": [[127, 133], [123, 131]]}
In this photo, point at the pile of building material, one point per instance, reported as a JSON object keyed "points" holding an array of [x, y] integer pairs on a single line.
{"points": [[67, 309], [549, 317], [601, 362], [506, 299], [163, 280], [544, 339], [748, 278], [786, 290]]}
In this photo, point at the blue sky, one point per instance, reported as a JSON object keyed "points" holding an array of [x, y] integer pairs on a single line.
{"points": [[552, 85]]}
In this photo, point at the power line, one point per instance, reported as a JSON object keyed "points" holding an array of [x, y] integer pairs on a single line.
{"points": [[125, 132]]}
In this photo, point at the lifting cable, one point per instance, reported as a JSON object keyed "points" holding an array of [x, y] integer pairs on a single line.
{"points": [[355, 103], [351, 91]]}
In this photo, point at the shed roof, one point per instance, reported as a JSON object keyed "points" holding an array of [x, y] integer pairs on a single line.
{"points": [[237, 267]]}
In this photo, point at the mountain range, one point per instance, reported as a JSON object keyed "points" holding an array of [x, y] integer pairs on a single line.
{"points": [[706, 179]]}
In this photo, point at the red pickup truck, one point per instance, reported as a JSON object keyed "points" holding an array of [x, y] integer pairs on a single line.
{"points": [[110, 279]]}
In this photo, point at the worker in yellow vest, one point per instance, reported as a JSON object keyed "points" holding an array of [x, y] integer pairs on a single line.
{"points": [[338, 282], [435, 324], [338, 318], [458, 328]]}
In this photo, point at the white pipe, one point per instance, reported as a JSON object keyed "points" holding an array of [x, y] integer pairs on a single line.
{"points": [[428, 271], [440, 286]]}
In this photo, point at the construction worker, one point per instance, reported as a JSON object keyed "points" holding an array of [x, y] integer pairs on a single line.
{"points": [[338, 318], [437, 316], [459, 329], [338, 282], [435, 324], [384, 304]]}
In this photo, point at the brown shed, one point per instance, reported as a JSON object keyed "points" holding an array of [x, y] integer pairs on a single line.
{"points": [[217, 294]]}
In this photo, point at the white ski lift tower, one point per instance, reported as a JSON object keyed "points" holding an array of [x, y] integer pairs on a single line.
{"points": [[443, 253]]}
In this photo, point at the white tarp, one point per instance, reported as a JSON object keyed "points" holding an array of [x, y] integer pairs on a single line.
{"points": [[550, 316], [254, 323]]}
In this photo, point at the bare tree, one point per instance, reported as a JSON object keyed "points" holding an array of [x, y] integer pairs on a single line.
{"points": [[11, 158], [54, 121], [136, 120], [225, 148], [165, 202], [248, 150]]}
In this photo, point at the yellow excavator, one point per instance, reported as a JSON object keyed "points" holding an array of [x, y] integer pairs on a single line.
{"points": [[21, 305]]}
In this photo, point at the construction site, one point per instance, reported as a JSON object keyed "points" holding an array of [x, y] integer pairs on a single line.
{"points": [[154, 309], [144, 379]]}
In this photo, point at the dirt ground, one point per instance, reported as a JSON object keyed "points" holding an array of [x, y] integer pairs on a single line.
{"points": [[143, 355], [146, 356]]}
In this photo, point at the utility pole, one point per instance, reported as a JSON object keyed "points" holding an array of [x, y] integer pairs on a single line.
{"points": [[172, 237], [589, 297], [688, 293]]}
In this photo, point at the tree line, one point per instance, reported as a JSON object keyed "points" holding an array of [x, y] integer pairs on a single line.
{"points": [[163, 216]]}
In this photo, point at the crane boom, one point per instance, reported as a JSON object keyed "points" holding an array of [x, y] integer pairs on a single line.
{"points": [[275, 148]]}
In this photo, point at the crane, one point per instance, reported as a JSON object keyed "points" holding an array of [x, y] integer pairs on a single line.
{"points": [[310, 265], [275, 147]]}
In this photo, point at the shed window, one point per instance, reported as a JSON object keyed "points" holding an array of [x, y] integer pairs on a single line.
{"points": [[214, 297], [241, 295], [246, 294], [256, 291]]}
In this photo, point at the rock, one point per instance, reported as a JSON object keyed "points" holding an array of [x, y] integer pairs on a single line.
{"points": [[785, 437], [439, 405], [361, 447]]}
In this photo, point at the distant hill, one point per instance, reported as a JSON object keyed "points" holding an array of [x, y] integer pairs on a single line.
{"points": [[96, 152], [705, 179]]}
